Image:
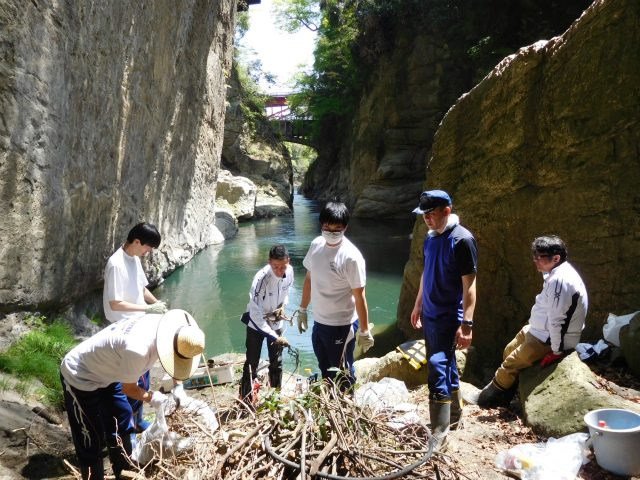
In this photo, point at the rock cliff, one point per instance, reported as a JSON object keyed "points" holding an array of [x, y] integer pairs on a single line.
{"points": [[547, 143], [258, 175], [110, 113]]}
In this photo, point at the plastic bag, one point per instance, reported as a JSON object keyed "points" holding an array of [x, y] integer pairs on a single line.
{"points": [[386, 393], [158, 438], [611, 330], [558, 459]]}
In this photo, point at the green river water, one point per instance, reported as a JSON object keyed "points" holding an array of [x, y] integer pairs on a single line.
{"points": [[214, 285]]}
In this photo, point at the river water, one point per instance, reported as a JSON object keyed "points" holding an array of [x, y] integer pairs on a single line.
{"points": [[214, 285]]}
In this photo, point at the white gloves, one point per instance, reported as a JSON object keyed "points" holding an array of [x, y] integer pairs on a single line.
{"points": [[365, 339], [302, 320], [180, 396], [281, 342], [158, 399], [158, 307]]}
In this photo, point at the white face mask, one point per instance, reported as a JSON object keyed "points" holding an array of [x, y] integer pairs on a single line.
{"points": [[332, 237]]}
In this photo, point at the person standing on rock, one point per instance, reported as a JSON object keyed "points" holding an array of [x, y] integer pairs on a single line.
{"points": [[335, 285], [446, 300], [555, 325], [99, 374], [125, 293], [268, 298]]}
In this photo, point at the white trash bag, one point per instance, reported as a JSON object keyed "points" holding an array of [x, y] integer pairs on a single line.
{"points": [[558, 459], [158, 438], [611, 330], [386, 393]]}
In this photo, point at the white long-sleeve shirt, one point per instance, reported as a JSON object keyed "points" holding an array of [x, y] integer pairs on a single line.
{"points": [[268, 293], [560, 310]]}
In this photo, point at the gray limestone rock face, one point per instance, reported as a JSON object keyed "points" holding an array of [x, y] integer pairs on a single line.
{"points": [[254, 152], [546, 144], [630, 344], [111, 113], [556, 398]]}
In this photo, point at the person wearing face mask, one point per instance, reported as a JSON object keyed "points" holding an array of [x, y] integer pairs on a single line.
{"points": [[268, 298], [335, 285]]}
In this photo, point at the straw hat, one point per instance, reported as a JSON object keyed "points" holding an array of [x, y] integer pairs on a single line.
{"points": [[180, 342]]}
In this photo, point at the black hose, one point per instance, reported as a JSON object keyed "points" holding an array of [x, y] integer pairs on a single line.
{"points": [[399, 473]]}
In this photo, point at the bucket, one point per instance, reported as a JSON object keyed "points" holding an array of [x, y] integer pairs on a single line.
{"points": [[616, 447]]}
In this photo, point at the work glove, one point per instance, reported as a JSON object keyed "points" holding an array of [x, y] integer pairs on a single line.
{"points": [[180, 396], [281, 342], [549, 359], [158, 307], [158, 399], [302, 321], [280, 313], [365, 339]]}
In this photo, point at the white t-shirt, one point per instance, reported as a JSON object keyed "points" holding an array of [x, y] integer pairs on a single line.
{"points": [[121, 352], [335, 271], [124, 280]]}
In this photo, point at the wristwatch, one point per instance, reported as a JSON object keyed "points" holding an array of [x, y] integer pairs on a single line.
{"points": [[468, 322]]}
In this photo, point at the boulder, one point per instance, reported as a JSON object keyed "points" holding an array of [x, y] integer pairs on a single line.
{"points": [[394, 366], [630, 344], [556, 398], [237, 194], [226, 222]]}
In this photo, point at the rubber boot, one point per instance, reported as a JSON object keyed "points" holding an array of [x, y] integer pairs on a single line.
{"points": [[119, 456], [140, 422], [456, 408], [493, 395], [440, 414], [93, 472]]}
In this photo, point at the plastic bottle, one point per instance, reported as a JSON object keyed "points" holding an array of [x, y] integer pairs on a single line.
{"points": [[298, 386], [603, 424]]}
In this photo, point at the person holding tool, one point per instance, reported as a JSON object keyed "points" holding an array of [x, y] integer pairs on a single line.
{"points": [[125, 294], [335, 284], [100, 373], [264, 319]]}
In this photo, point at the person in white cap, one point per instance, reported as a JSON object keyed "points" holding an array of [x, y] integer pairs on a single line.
{"points": [[99, 374]]}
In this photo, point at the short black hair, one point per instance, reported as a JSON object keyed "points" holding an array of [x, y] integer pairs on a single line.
{"points": [[334, 213], [550, 245], [146, 233], [278, 252]]}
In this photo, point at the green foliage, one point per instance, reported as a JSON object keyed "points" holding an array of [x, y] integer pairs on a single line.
{"points": [[301, 157], [4, 384], [292, 15], [38, 355]]}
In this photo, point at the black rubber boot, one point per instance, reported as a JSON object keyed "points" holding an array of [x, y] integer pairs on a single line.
{"points": [[119, 456], [493, 395], [456, 408], [93, 472], [440, 414]]}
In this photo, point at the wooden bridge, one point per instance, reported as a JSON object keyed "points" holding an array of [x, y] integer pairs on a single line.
{"points": [[292, 129]]}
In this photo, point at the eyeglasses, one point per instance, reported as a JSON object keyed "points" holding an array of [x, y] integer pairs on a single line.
{"points": [[538, 257]]}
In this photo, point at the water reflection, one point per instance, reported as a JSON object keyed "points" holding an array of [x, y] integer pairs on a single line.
{"points": [[214, 286]]}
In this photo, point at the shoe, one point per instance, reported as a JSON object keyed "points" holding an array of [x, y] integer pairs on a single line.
{"points": [[93, 472], [493, 395], [456, 408], [440, 415]]}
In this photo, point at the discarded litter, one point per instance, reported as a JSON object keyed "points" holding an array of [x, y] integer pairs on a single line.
{"points": [[386, 393], [559, 459]]}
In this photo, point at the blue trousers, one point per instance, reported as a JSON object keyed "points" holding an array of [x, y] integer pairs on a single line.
{"points": [[440, 339], [334, 346], [94, 416]]}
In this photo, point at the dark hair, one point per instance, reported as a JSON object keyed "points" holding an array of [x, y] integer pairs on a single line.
{"points": [[278, 252], [146, 233], [334, 213], [550, 245]]}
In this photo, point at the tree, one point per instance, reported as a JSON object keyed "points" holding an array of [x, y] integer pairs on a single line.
{"points": [[292, 15]]}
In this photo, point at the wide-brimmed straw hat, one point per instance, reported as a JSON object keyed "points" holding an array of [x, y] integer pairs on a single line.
{"points": [[180, 342]]}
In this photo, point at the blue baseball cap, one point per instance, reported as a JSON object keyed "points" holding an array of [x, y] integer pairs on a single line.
{"points": [[431, 200]]}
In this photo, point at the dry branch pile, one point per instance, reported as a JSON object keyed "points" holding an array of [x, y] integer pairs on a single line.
{"points": [[321, 429]]}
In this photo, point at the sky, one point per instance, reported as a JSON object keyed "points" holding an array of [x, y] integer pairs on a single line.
{"points": [[279, 52]]}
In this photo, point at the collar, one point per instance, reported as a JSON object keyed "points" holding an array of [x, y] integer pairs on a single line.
{"points": [[452, 222]]}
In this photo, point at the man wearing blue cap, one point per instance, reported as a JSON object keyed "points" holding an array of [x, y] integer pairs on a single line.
{"points": [[446, 299]]}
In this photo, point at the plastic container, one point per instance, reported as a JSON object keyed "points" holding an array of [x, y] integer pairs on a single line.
{"points": [[617, 444], [200, 378], [298, 390]]}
